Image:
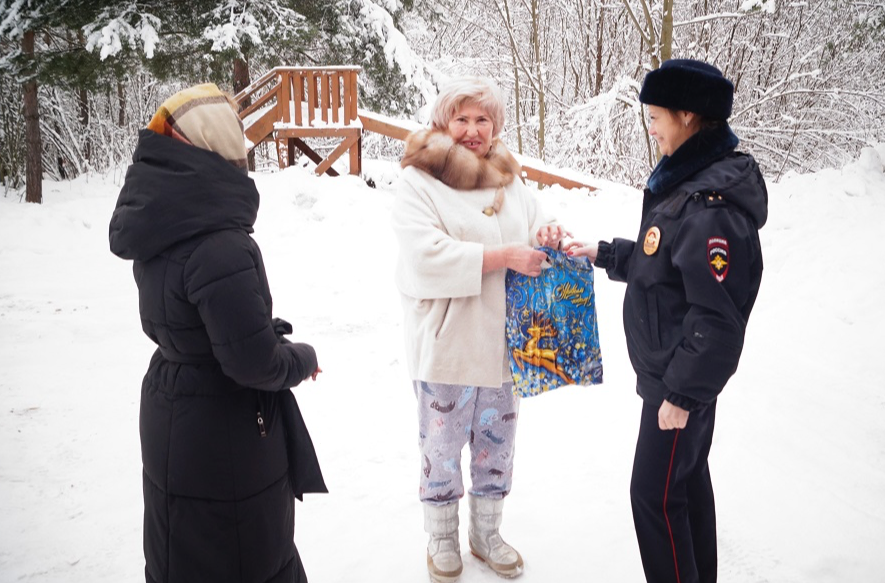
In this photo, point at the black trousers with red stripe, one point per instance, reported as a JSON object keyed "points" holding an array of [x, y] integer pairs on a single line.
{"points": [[672, 496]]}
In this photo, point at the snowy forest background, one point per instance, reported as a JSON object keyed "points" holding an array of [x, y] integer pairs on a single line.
{"points": [[85, 75]]}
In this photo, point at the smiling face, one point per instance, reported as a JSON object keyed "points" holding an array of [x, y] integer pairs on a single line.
{"points": [[670, 129], [472, 127]]}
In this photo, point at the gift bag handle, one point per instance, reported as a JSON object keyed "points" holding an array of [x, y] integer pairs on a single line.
{"points": [[558, 258]]}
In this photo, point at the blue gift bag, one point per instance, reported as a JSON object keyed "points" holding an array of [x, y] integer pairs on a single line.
{"points": [[552, 336]]}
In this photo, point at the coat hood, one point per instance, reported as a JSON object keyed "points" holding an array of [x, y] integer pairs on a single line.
{"points": [[173, 192], [738, 180]]}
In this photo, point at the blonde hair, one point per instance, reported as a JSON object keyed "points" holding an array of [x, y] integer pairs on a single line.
{"points": [[480, 91]]}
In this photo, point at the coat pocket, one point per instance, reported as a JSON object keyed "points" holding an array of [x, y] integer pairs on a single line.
{"points": [[654, 320], [445, 320], [217, 450]]}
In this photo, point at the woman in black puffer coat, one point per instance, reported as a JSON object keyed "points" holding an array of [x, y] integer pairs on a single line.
{"points": [[219, 427]]}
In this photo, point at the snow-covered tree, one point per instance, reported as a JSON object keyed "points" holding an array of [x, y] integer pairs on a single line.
{"points": [[809, 75], [100, 67], [44, 52]]}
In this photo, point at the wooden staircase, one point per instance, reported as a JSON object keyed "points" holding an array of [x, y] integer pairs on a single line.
{"points": [[290, 104]]}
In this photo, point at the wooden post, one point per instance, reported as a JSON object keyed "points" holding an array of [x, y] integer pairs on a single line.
{"points": [[356, 156], [298, 79], [336, 96], [352, 115], [311, 96], [281, 152], [348, 92], [325, 78], [283, 97]]}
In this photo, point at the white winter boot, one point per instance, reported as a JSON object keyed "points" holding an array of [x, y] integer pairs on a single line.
{"points": [[486, 543], [443, 550]]}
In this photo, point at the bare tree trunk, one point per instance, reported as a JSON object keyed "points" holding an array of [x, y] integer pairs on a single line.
{"points": [[517, 107], [241, 81], [121, 102], [572, 64], [517, 104], [83, 104], [536, 44], [667, 31], [34, 160], [600, 29], [647, 31], [241, 75]]}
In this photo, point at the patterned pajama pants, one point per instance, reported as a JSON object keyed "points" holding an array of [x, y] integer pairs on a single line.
{"points": [[450, 416]]}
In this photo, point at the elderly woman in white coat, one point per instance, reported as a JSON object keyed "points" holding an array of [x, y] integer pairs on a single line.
{"points": [[463, 217]]}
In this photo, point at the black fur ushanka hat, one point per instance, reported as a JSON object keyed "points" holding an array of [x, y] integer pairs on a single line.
{"points": [[689, 85]]}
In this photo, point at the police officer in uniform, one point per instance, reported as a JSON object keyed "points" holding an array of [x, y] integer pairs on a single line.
{"points": [[692, 279]]}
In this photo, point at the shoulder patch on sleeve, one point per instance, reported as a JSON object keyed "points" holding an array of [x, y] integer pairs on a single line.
{"points": [[717, 257]]}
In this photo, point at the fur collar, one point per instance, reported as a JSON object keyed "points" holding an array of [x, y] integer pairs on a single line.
{"points": [[436, 153]]}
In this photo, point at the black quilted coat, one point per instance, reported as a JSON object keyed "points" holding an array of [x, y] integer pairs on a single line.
{"points": [[685, 314], [224, 447]]}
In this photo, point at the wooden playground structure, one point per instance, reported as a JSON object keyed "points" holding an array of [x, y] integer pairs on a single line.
{"points": [[289, 105]]}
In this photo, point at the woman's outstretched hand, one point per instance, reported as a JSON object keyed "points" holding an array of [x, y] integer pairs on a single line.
{"points": [[313, 376], [578, 249], [552, 235]]}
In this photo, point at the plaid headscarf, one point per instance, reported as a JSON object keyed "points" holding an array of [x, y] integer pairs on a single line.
{"points": [[203, 117]]}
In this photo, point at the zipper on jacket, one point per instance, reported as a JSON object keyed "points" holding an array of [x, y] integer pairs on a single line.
{"points": [[261, 428]]}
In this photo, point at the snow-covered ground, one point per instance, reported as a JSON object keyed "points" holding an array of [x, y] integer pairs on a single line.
{"points": [[798, 460]]}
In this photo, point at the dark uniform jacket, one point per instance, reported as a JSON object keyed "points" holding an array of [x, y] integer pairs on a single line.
{"points": [[694, 272], [216, 413]]}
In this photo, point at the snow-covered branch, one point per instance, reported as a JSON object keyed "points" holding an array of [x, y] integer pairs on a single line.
{"points": [[378, 22], [121, 24], [835, 93], [234, 21], [709, 17]]}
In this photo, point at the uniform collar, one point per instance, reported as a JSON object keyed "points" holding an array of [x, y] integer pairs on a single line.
{"points": [[698, 152]]}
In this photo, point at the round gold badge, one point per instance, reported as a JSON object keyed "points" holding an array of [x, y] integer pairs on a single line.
{"points": [[652, 240]]}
